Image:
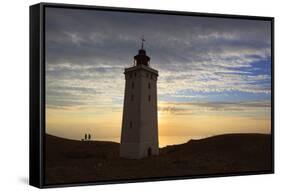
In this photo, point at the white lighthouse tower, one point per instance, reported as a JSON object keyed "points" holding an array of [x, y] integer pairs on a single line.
{"points": [[139, 137]]}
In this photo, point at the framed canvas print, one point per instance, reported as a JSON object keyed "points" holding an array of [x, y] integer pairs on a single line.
{"points": [[125, 95]]}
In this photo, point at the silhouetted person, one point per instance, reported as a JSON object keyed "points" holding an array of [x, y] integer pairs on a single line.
{"points": [[85, 136], [89, 136]]}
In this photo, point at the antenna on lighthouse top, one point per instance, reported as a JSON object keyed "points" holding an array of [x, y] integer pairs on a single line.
{"points": [[142, 41]]}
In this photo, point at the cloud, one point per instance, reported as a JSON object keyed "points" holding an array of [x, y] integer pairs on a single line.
{"points": [[249, 108], [87, 51]]}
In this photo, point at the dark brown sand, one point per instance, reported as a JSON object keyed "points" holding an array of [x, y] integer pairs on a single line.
{"points": [[69, 161]]}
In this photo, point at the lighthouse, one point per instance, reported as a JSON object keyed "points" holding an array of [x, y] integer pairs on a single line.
{"points": [[139, 136]]}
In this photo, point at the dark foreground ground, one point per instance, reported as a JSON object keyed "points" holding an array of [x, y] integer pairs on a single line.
{"points": [[69, 161]]}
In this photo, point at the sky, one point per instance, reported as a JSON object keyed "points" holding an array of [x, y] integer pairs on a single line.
{"points": [[214, 73]]}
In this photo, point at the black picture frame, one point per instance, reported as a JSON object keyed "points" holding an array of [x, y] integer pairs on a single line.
{"points": [[37, 92]]}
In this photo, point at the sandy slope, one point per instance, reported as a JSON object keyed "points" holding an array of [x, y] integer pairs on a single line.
{"points": [[69, 161]]}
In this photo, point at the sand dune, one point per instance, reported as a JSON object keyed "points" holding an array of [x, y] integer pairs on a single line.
{"points": [[70, 161]]}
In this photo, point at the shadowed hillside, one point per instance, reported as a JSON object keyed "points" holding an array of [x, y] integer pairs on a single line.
{"points": [[70, 161]]}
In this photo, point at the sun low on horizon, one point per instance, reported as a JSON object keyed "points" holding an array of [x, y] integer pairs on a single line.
{"points": [[214, 73]]}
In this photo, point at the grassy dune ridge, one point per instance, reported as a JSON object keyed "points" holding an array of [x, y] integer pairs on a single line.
{"points": [[71, 161]]}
